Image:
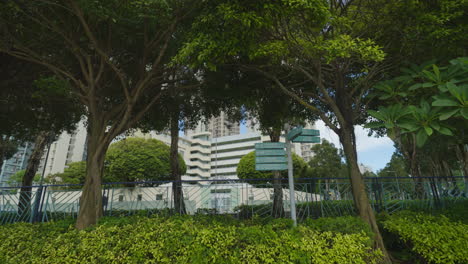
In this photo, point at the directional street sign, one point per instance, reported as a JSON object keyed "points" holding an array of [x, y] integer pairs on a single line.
{"points": [[310, 132], [277, 159], [270, 156], [293, 133], [270, 145], [271, 167], [306, 139], [269, 152]]}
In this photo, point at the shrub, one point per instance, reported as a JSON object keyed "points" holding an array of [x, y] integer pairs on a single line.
{"points": [[435, 238], [181, 239], [344, 224]]}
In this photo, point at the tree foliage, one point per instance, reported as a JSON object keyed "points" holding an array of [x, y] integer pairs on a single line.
{"points": [[138, 159], [16, 178], [327, 161], [115, 54], [128, 160], [396, 167], [426, 108]]}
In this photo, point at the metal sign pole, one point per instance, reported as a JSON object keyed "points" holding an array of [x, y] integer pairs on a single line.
{"points": [[292, 196]]}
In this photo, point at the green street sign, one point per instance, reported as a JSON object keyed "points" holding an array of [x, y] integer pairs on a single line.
{"points": [[270, 145], [270, 156], [306, 139], [269, 152], [277, 159], [310, 132], [293, 133], [271, 167]]}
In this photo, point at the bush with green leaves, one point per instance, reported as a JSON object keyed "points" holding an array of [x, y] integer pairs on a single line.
{"points": [[181, 239], [437, 239], [128, 160]]}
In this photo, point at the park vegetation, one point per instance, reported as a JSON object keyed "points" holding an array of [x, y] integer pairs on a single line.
{"points": [[396, 66]]}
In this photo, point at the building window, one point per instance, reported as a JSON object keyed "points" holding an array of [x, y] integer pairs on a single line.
{"points": [[159, 197], [139, 197], [121, 198]]}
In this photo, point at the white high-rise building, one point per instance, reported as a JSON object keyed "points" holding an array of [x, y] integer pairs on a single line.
{"points": [[66, 149], [17, 162], [219, 126], [194, 150]]}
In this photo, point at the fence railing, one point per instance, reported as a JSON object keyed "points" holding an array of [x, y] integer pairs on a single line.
{"points": [[315, 197]]}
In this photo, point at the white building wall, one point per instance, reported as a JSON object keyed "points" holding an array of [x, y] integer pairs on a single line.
{"points": [[66, 149]]}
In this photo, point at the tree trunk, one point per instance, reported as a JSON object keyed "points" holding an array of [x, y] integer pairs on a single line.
{"points": [[177, 191], [1, 160], [462, 155], [91, 198], [277, 211], [415, 173], [361, 200], [24, 203]]}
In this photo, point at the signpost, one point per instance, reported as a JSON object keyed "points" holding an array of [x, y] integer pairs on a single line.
{"points": [[272, 157]]}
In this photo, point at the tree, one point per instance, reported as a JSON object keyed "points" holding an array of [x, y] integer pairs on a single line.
{"points": [[115, 54], [320, 41], [16, 178], [246, 170], [138, 159], [34, 104], [396, 167], [128, 160], [37, 107], [266, 105], [327, 161], [425, 102], [75, 173]]}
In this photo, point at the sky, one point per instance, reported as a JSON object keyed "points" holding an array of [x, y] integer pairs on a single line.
{"points": [[372, 152]]}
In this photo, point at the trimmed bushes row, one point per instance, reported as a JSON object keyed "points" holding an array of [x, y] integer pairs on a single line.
{"points": [[436, 239], [202, 239]]}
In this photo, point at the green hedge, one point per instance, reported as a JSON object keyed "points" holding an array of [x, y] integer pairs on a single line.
{"points": [[201, 239], [437, 239]]}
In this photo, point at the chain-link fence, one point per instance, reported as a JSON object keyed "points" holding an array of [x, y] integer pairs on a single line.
{"points": [[317, 197]]}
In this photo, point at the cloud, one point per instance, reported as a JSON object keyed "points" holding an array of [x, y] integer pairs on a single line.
{"points": [[364, 142], [370, 149]]}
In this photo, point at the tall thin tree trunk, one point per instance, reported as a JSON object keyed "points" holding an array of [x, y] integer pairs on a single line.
{"points": [[24, 203], [461, 151], [361, 200], [91, 198], [177, 191], [1, 160], [277, 210], [2, 152]]}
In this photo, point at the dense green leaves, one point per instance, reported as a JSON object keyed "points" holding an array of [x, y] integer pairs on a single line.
{"points": [[423, 101], [131, 159], [435, 238], [327, 161], [138, 159], [182, 240]]}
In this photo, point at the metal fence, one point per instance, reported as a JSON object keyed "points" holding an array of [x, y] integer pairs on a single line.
{"points": [[317, 197]]}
